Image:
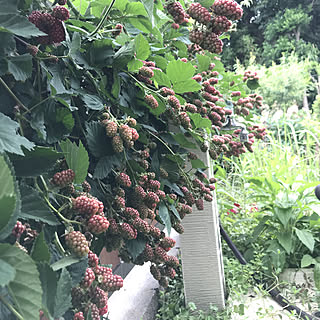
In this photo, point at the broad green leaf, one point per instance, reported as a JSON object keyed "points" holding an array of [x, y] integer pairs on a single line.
{"points": [[183, 141], [64, 262], [35, 162], [134, 65], [189, 85], [141, 23], [203, 62], [40, 250], [20, 67], [136, 9], [49, 279], [175, 211], [179, 71], [161, 78], [306, 261], [33, 207], [199, 121], [316, 275], [92, 102], [283, 215], [253, 84], [148, 5], [124, 55], [161, 62], [26, 287], [77, 159], [7, 273], [285, 239], [198, 164], [63, 294], [135, 246], [10, 140], [142, 47], [77, 270], [165, 216], [105, 166], [116, 84], [306, 238]]}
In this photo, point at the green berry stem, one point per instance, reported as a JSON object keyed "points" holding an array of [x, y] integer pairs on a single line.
{"points": [[58, 243], [11, 308], [13, 95], [127, 162]]}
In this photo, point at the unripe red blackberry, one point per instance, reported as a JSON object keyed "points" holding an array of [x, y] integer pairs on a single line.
{"points": [[140, 193], [151, 101], [212, 43], [164, 282], [135, 134], [98, 224], [89, 277], [93, 260], [167, 243], [220, 23], [57, 33], [155, 232], [166, 92], [141, 225], [104, 310], [33, 50], [61, 13], [161, 194], [177, 12], [127, 231], [170, 272], [228, 8], [148, 253], [154, 270], [146, 72], [154, 185], [117, 29], [208, 197], [131, 213], [196, 36], [174, 102], [160, 254], [119, 202], [117, 144], [152, 198], [111, 129], [63, 178], [199, 13], [123, 180], [125, 132], [62, 2], [99, 297], [172, 261], [185, 120], [18, 229], [94, 311], [199, 204], [175, 26], [79, 315], [85, 205], [132, 122], [86, 186]]}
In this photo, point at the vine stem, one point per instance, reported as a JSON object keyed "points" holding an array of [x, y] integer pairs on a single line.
{"points": [[103, 19], [13, 95], [57, 240], [57, 212], [38, 104], [11, 308]]}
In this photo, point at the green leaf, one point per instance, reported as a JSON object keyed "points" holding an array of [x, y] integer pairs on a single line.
{"points": [[183, 141], [189, 85], [77, 159], [135, 8], [77, 270], [96, 138], [64, 262], [10, 140], [141, 23], [306, 261], [148, 5], [161, 78], [63, 294], [253, 84], [198, 164], [20, 67], [134, 65], [285, 239], [7, 206], [25, 289], [142, 47], [135, 247], [175, 212], [40, 250], [7, 273], [203, 63], [124, 55], [283, 215], [161, 62], [33, 207], [198, 121], [165, 216], [306, 238], [116, 84], [105, 165], [35, 162], [92, 102], [49, 280], [179, 71], [316, 275]]}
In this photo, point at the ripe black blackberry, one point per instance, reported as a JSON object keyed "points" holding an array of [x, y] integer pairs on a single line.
{"points": [[61, 13]]}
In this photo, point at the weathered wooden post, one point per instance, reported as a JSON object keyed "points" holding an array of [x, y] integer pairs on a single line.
{"points": [[202, 263]]}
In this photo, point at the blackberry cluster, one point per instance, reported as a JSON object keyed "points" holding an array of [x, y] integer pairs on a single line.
{"points": [[51, 24]]}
